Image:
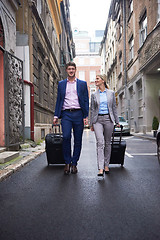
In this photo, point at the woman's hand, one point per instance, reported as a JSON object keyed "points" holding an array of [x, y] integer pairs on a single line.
{"points": [[118, 125]]}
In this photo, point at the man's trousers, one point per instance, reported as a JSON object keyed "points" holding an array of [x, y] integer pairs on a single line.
{"points": [[72, 120]]}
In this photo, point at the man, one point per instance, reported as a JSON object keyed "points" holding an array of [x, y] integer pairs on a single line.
{"points": [[72, 107]]}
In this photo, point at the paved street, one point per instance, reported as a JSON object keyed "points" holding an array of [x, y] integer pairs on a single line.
{"points": [[40, 203]]}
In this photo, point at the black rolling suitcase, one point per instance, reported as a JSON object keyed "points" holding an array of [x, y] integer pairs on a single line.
{"points": [[53, 146], [118, 147]]}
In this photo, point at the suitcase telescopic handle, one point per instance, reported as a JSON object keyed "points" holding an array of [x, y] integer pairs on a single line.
{"points": [[55, 129], [120, 138]]}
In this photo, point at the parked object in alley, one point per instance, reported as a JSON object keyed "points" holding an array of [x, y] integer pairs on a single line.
{"points": [[118, 147], [124, 123], [155, 124], [53, 146], [158, 143]]}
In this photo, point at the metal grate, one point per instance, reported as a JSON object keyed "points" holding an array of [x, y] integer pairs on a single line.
{"points": [[14, 100]]}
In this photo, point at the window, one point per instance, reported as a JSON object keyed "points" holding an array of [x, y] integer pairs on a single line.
{"points": [[81, 61], [47, 91], [52, 93], [81, 46], [82, 75], [119, 28], [42, 133], [94, 46], [140, 100], [130, 7], [143, 28], [92, 62], [40, 93], [112, 50], [131, 92], [92, 76], [139, 85], [39, 6], [120, 63], [122, 103], [132, 113], [53, 39], [131, 48]]}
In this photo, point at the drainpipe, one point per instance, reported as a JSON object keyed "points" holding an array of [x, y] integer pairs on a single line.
{"points": [[31, 107], [124, 62]]}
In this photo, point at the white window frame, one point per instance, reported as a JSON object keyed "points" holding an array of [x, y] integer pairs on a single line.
{"points": [[39, 6], [82, 75], [120, 63], [119, 28], [81, 61], [143, 29], [92, 76], [130, 7], [140, 98], [92, 62], [131, 48]]}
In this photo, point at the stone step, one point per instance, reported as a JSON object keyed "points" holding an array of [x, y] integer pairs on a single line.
{"points": [[8, 156], [2, 149]]}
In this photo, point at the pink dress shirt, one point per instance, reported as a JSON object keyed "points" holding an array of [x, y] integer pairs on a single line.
{"points": [[71, 97]]}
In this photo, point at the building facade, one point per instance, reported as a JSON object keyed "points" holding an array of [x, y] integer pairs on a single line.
{"points": [[130, 53], [10, 88], [87, 57], [67, 50], [33, 34], [39, 43]]}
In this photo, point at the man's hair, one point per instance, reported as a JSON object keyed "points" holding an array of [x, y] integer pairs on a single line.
{"points": [[71, 64]]}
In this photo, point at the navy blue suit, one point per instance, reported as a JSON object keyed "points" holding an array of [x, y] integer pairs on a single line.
{"points": [[72, 120]]}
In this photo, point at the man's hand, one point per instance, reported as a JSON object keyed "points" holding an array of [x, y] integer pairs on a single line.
{"points": [[85, 120], [92, 129], [118, 125], [55, 121]]}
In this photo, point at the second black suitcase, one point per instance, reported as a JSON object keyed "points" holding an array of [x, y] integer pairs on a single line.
{"points": [[53, 146], [118, 147]]}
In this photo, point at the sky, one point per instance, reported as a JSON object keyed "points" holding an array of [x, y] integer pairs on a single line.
{"points": [[89, 15]]}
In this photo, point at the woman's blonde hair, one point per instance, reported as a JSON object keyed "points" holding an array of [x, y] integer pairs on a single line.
{"points": [[104, 78]]}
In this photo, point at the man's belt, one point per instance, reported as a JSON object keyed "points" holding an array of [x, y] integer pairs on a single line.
{"points": [[72, 109]]}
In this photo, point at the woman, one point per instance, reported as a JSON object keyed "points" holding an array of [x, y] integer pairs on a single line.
{"points": [[103, 114]]}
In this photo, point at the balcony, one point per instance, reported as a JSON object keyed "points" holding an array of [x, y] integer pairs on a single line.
{"points": [[150, 49]]}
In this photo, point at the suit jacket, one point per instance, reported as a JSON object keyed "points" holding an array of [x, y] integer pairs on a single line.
{"points": [[95, 103], [82, 92]]}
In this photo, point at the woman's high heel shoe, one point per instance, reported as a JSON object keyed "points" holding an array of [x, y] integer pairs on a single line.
{"points": [[100, 174], [106, 171]]}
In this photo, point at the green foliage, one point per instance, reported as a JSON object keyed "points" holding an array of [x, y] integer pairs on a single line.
{"points": [[39, 142], [155, 123]]}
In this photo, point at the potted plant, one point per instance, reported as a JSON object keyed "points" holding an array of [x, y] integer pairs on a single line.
{"points": [[155, 125]]}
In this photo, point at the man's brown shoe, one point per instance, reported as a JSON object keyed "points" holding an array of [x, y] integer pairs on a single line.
{"points": [[74, 169], [67, 169]]}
